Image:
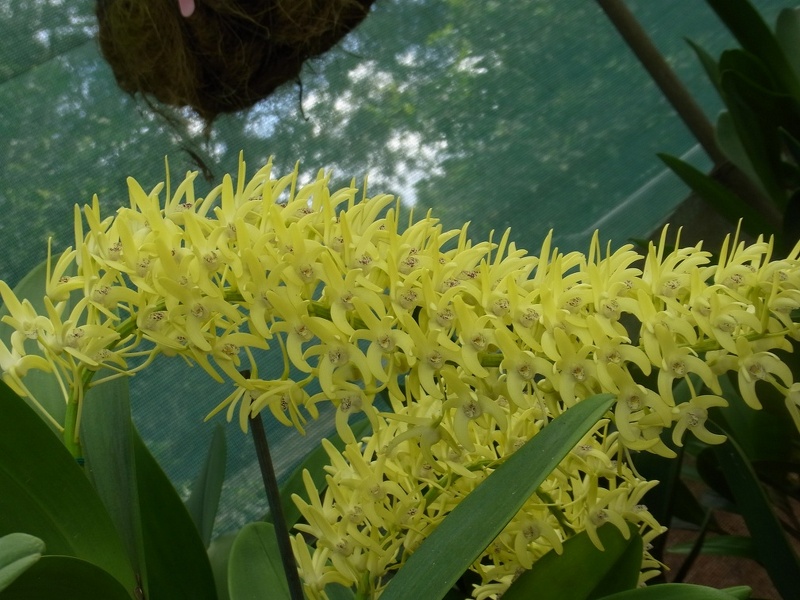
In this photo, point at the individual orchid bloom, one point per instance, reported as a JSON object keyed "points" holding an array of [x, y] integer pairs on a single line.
{"points": [[15, 364], [534, 530], [81, 342], [254, 284], [781, 305], [646, 436], [594, 453], [678, 363], [432, 351], [739, 268], [475, 335], [316, 571], [613, 351], [721, 317], [793, 403], [630, 506], [341, 290], [468, 405], [692, 416], [753, 366], [349, 399], [197, 313], [576, 371], [526, 314], [509, 262], [385, 341], [672, 319], [22, 316], [59, 283], [669, 275], [209, 260], [521, 368], [290, 313], [614, 282], [109, 296], [360, 235], [226, 352], [634, 403], [336, 355], [600, 508]]}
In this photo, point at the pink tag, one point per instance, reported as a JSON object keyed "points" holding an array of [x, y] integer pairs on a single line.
{"points": [[187, 7]]}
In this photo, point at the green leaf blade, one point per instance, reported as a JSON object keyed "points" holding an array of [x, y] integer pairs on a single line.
{"points": [[721, 545], [65, 578], [747, 26], [18, 552], [177, 562], [107, 443], [203, 500], [47, 495], [255, 570], [676, 591], [603, 572], [728, 204], [769, 539]]}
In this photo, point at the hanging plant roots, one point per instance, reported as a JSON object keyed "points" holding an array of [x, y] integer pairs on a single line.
{"points": [[227, 55]]}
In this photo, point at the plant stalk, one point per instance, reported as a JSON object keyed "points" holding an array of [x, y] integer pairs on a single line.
{"points": [[275, 507], [664, 77]]}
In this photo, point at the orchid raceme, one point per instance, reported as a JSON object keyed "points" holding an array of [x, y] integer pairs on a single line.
{"points": [[474, 346]]}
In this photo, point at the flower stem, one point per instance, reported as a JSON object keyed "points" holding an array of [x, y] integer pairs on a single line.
{"points": [[275, 507], [71, 439]]}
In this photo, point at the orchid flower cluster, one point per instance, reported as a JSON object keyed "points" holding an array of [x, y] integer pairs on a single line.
{"points": [[474, 347]]}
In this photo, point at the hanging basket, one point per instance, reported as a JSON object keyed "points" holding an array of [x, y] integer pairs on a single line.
{"points": [[227, 55]]}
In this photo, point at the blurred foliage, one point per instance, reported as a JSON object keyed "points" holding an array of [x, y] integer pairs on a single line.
{"points": [[760, 128]]}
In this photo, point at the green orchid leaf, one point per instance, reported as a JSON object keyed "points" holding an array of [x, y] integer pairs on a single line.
{"points": [[107, 443], [613, 569], [66, 578], [176, 558], [773, 548], [747, 66], [725, 202], [219, 552], [677, 591], [203, 500], [47, 495], [741, 592], [755, 36], [255, 569], [731, 145], [42, 385], [757, 115], [721, 545], [18, 552], [708, 63], [787, 32], [461, 537], [314, 462]]}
